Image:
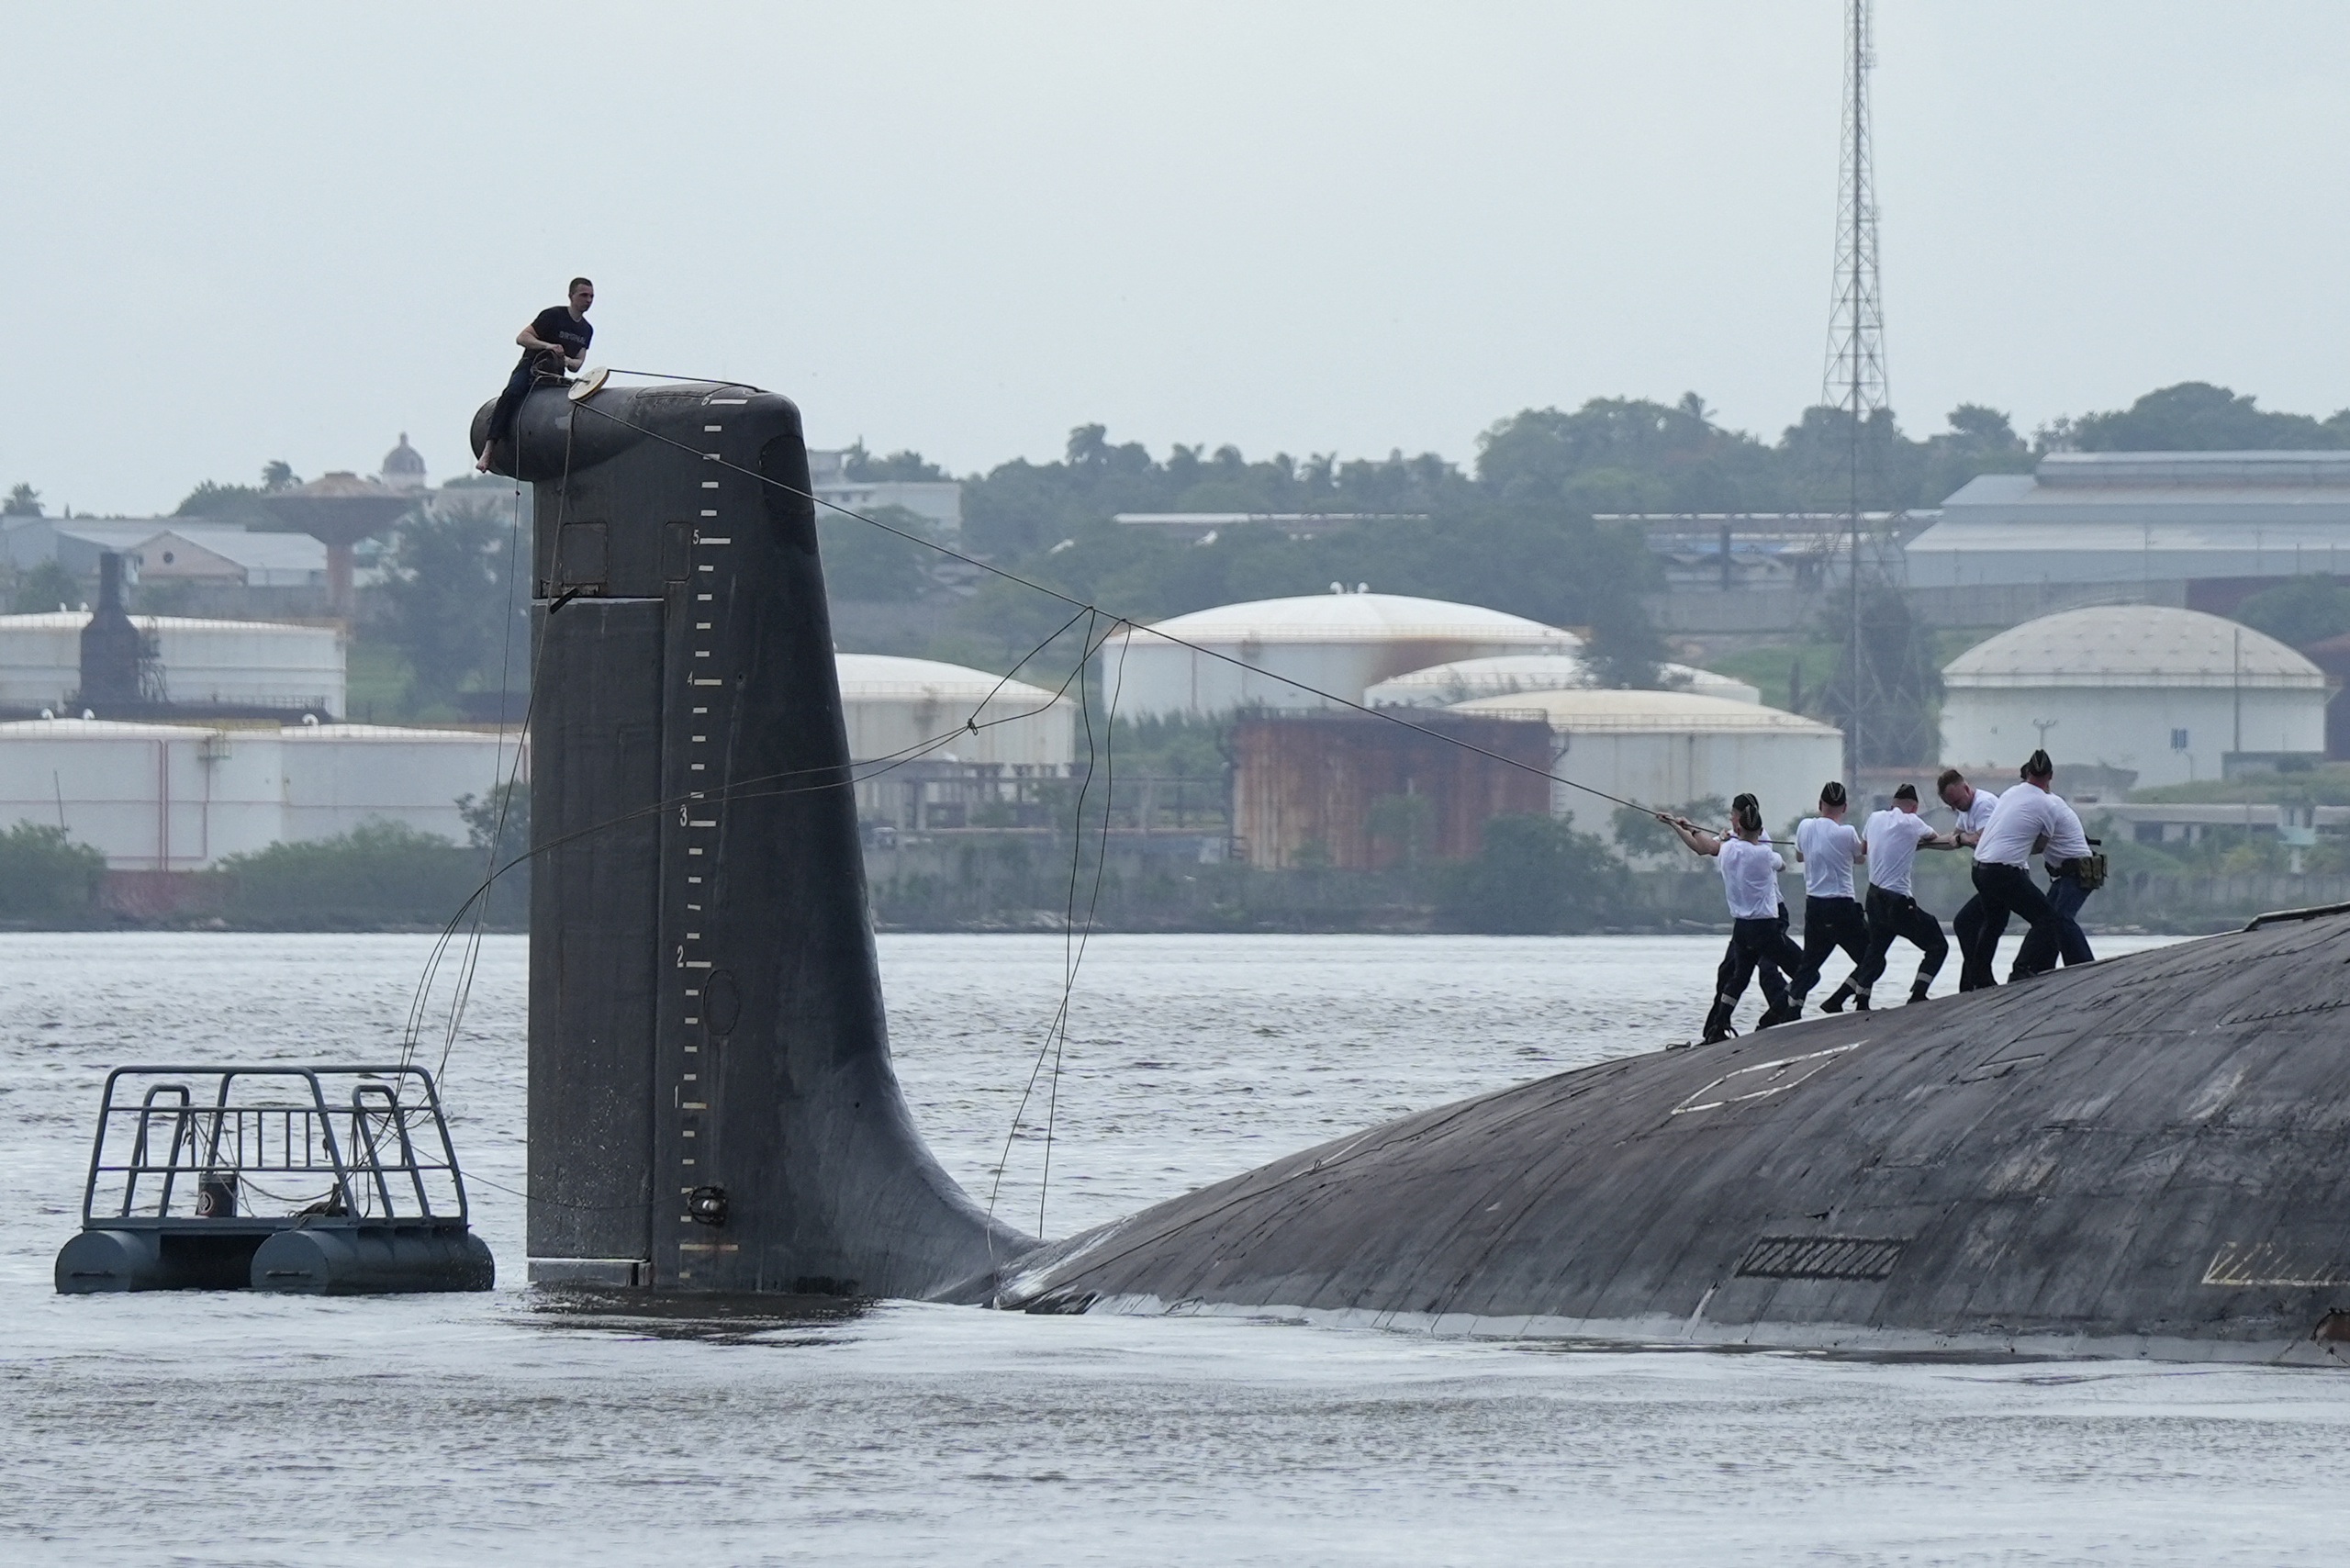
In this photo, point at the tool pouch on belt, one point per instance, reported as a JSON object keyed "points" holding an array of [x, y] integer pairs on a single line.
{"points": [[2091, 869]]}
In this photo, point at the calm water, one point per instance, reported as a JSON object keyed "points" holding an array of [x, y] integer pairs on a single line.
{"points": [[240, 1430]]}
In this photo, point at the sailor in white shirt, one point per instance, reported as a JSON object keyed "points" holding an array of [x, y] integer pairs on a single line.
{"points": [[1831, 915], [1973, 808], [2026, 819], [2066, 857], [1893, 838], [1758, 937]]}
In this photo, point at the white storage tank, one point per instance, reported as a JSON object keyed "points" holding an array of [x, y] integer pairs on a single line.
{"points": [[267, 664], [151, 796], [1665, 749], [1462, 680], [896, 706], [338, 776], [1342, 643], [898, 709], [2165, 693], [181, 796]]}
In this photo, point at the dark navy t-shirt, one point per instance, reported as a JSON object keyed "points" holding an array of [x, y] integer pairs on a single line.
{"points": [[555, 324]]}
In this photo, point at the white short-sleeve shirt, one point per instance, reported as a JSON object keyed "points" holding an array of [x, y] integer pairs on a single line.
{"points": [[1827, 849], [2023, 815], [1751, 879], [1894, 837]]}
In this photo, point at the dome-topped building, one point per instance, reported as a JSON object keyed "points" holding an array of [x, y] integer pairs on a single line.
{"points": [[404, 468], [1463, 680], [2167, 693], [1266, 653]]}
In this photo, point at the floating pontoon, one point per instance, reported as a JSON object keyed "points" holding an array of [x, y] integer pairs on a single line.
{"points": [[336, 1180]]}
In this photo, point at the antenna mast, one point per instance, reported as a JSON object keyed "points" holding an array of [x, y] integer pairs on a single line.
{"points": [[1854, 378]]}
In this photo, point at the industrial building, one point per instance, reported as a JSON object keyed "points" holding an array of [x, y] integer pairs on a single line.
{"points": [[896, 710], [938, 502], [181, 796], [1441, 686], [1666, 749], [2170, 694], [2199, 529], [1354, 792], [243, 663], [1339, 643]]}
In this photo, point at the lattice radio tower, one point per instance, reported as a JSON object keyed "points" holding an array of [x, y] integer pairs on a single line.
{"points": [[1854, 379]]}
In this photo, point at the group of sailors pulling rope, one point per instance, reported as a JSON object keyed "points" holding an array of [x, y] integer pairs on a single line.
{"points": [[2007, 832]]}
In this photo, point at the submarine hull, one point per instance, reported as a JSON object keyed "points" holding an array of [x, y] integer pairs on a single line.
{"points": [[2145, 1156]]}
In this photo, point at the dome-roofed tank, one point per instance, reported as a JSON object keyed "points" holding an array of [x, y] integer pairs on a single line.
{"points": [[1463, 680], [1339, 643], [2168, 693], [1672, 748]]}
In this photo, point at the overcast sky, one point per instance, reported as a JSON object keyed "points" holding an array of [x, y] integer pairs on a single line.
{"points": [[234, 233]]}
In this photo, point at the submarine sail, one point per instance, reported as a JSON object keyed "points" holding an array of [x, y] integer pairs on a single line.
{"points": [[711, 1103]]}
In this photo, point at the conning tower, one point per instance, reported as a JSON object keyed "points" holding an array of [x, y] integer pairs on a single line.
{"points": [[711, 1103]]}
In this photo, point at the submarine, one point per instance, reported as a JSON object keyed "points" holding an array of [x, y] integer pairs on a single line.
{"points": [[2147, 1156]]}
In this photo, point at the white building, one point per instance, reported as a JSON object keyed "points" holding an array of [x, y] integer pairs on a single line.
{"points": [[938, 502], [897, 708], [1665, 749], [1267, 652], [181, 796], [2167, 693], [241, 663], [1441, 686]]}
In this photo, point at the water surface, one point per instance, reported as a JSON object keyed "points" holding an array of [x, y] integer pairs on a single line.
{"points": [[242, 1430]]}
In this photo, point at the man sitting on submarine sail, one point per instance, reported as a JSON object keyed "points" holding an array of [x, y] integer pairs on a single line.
{"points": [[556, 341], [1758, 930]]}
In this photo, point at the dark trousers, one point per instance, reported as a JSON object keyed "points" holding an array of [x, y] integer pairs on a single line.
{"points": [[2009, 890], [510, 402], [1973, 956], [1895, 915], [1753, 944], [2065, 896], [1830, 923]]}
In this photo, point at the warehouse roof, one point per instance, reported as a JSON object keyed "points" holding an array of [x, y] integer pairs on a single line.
{"points": [[1615, 712], [1361, 618], [2131, 645], [1462, 679]]}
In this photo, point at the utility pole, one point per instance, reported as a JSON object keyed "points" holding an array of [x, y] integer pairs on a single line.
{"points": [[1854, 379]]}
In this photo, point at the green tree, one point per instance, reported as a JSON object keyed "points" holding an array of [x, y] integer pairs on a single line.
{"points": [[43, 873], [1899, 688], [2299, 611], [862, 562], [859, 464], [2194, 416], [455, 614], [380, 873], [47, 586], [23, 501], [1532, 875]]}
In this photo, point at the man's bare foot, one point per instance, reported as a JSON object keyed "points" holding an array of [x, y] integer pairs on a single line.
{"points": [[483, 466]]}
